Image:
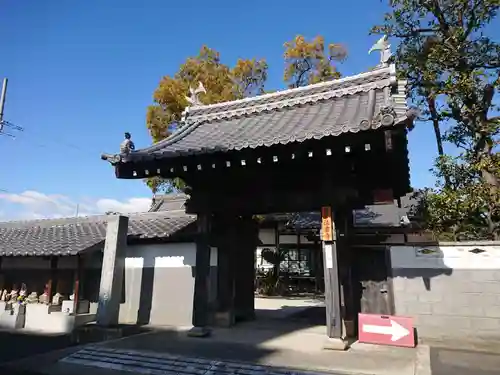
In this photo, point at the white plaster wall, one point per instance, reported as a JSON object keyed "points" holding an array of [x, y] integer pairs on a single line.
{"points": [[446, 257], [267, 236], [288, 239], [260, 263], [304, 240], [172, 286]]}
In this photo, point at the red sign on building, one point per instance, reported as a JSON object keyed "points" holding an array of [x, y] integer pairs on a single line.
{"points": [[386, 330]]}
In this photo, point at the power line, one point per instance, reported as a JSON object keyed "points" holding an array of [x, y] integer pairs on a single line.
{"points": [[3, 123], [7, 124]]}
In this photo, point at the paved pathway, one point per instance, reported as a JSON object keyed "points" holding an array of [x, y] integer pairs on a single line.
{"points": [[464, 362], [144, 362]]}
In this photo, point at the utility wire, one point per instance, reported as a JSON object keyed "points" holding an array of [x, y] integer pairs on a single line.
{"points": [[44, 141], [7, 124], [12, 126]]}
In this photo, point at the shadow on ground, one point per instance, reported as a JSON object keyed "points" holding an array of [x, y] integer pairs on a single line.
{"points": [[19, 346], [292, 317]]}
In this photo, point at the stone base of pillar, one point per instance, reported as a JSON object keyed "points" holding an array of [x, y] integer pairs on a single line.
{"points": [[224, 319], [199, 332], [335, 344]]}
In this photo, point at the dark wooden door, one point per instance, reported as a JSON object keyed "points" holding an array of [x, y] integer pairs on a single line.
{"points": [[372, 281]]}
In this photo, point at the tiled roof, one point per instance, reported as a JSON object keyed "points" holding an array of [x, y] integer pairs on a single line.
{"points": [[70, 236], [173, 203], [366, 101]]}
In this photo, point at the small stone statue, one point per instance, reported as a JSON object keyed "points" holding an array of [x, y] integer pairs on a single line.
{"points": [[32, 298], [127, 146], [23, 293], [44, 298], [57, 299], [13, 295]]}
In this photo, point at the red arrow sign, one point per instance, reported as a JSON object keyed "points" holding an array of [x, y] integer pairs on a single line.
{"points": [[386, 330]]}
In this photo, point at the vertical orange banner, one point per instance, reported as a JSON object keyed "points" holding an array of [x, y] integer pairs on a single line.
{"points": [[326, 224]]}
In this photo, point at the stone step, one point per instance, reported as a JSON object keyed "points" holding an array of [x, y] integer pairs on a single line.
{"points": [[147, 362]]}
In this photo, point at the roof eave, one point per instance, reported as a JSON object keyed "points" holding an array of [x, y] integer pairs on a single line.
{"points": [[143, 156]]}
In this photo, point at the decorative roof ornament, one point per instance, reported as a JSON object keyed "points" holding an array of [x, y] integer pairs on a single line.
{"points": [[385, 51], [127, 146], [193, 98]]}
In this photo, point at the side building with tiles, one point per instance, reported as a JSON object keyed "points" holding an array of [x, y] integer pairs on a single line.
{"points": [[64, 257]]}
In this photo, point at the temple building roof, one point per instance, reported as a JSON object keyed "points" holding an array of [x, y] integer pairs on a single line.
{"points": [[371, 100], [71, 236]]}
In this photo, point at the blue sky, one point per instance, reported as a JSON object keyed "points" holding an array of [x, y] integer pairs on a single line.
{"points": [[83, 72]]}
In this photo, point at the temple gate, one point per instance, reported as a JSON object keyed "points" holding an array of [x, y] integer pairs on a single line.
{"points": [[335, 145]]}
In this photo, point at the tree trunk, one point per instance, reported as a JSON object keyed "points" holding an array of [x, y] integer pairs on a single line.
{"points": [[431, 102]]}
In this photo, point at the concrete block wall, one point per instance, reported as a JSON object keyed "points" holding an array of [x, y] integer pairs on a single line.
{"points": [[451, 290]]}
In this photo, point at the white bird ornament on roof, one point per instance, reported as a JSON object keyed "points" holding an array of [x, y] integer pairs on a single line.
{"points": [[193, 98], [384, 47]]}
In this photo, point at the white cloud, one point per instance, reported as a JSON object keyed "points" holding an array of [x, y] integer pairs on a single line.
{"points": [[35, 205]]}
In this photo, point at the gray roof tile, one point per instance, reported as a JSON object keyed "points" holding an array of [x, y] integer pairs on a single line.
{"points": [[173, 203], [70, 236], [331, 108]]}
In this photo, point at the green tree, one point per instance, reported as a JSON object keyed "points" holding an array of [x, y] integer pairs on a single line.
{"points": [[308, 62], [453, 70], [222, 83], [462, 208]]}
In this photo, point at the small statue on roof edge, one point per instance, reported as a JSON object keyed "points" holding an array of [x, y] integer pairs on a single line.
{"points": [[127, 146]]}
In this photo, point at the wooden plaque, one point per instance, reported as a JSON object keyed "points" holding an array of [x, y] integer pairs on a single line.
{"points": [[326, 224]]}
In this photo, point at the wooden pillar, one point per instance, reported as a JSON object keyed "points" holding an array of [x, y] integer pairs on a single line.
{"points": [[226, 269], [2, 277], [77, 284], [202, 271], [332, 284], [52, 282], [245, 276]]}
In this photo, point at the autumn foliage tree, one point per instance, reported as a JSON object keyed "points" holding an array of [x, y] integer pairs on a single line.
{"points": [[453, 71], [308, 62], [222, 83]]}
